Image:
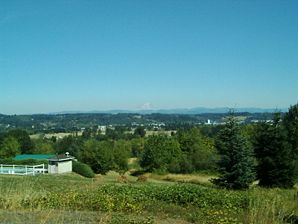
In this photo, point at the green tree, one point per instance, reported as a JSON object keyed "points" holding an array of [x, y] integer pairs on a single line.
{"points": [[43, 147], [137, 147], [161, 153], [275, 159], [199, 153], [291, 124], [140, 132], [87, 133], [121, 151], [70, 144], [26, 145], [98, 155], [236, 165], [9, 148]]}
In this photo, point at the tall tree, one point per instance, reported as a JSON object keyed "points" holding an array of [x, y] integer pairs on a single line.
{"points": [[43, 147], [198, 152], [274, 154], [161, 153], [99, 155], [9, 148], [236, 165], [140, 132], [26, 145], [121, 151], [137, 147], [69, 144], [291, 124]]}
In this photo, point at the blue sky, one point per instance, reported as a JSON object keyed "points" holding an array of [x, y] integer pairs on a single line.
{"points": [[105, 54]]}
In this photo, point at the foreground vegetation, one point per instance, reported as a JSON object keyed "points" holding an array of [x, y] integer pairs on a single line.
{"points": [[107, 199], [166, 185]]}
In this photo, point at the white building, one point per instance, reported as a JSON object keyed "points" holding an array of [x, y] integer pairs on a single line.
{"points": [[60, 164]]}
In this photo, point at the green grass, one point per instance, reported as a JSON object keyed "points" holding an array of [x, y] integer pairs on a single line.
{"points": [[74, 199]]}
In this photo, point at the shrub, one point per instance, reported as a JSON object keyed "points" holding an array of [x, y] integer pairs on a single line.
{"points": [[82, 169], [29, 162], [142, 178]]}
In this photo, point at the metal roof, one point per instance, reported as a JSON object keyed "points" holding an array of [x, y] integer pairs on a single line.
{"points": [[61, 158], [32, 156]]}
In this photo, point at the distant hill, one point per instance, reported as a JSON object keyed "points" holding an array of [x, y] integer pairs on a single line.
{"points": [[196, 110], [70, 121]]}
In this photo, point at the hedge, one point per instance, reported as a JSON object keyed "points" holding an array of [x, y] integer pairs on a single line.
{"points": [[82, 169]]}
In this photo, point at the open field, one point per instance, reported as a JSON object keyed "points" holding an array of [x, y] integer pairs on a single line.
{"points": [[79, 133], [106, 199], [57, 135]]}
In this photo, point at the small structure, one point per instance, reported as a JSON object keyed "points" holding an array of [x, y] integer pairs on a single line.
{"points": [[56, 163], [60, 164]]}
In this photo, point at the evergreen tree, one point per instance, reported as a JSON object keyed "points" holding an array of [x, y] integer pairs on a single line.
{"points": [[274, 154], [140, 132], [290, 122], [236, 165]]}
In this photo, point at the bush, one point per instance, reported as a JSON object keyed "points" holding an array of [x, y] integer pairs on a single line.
{"points": [[82, 169], [29, 162]]}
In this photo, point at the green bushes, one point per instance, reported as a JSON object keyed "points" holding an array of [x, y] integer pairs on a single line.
{"points": [[82, 169], [187, 199], [30, 162], [182, 202], [103, 156], [186, 152], [161, 154], [136, 198]]}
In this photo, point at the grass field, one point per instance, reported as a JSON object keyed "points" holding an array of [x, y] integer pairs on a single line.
{"points": [[79, 133], [107, 199]]}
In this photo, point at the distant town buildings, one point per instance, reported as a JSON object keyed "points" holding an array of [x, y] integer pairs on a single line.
{"points": [[209, 122]]}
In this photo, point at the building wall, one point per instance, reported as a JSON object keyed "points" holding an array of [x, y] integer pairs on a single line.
{"points": [[52, 169], [62, 167], [65, 167]]}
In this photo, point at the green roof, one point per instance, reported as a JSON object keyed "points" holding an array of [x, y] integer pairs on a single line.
{"points": [[32, 156]]}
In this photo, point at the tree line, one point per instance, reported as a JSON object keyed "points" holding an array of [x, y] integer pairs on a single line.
{"points": [[240, 153], [51, 123]]}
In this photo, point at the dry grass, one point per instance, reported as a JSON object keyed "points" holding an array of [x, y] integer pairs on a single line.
{"points": [[142, 178], [271, 206], [99, 178], [132, 161], [57, 135], [184, 178]]}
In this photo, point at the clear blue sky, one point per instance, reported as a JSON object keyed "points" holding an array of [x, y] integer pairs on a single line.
{"points": [[59, 55]]}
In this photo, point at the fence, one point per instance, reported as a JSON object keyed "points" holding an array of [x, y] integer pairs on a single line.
{"points": [[22, 169]]}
